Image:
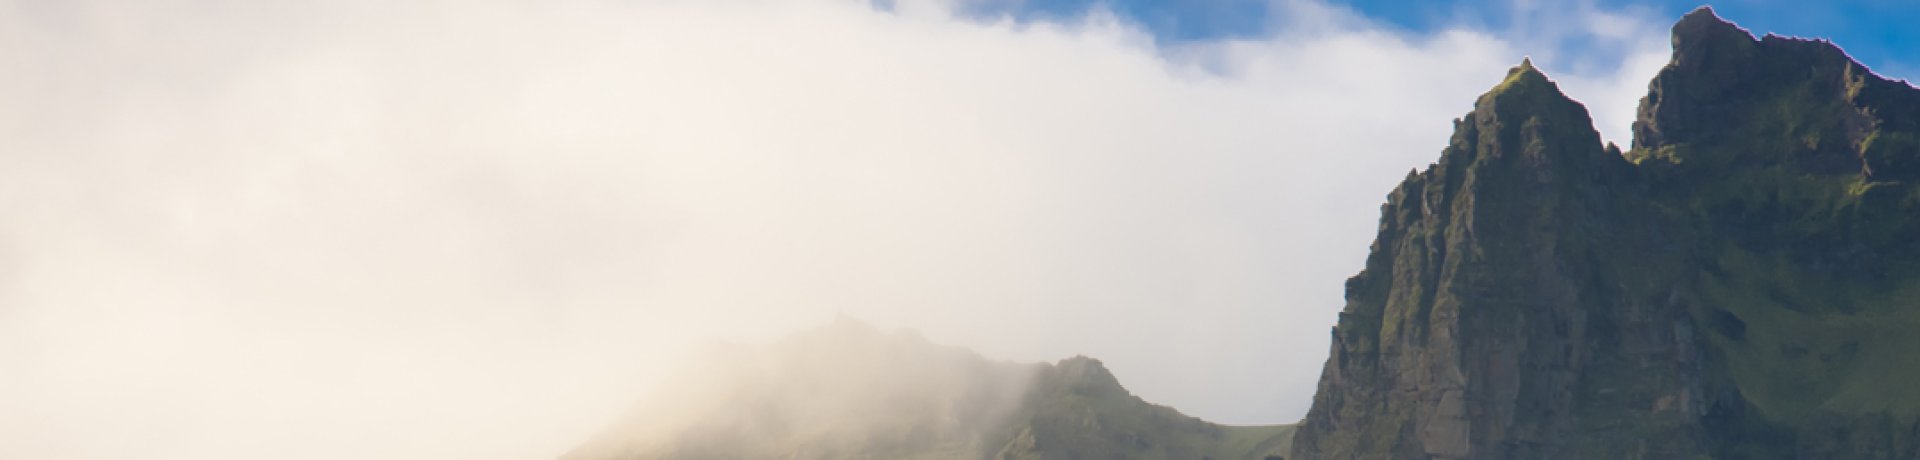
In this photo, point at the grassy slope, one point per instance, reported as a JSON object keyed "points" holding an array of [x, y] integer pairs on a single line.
{"points": [[1257, 442]]}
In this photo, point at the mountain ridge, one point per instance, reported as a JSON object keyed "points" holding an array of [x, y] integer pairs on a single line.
{"points": [[849, 390], [1734, 286], [1741, 282]]}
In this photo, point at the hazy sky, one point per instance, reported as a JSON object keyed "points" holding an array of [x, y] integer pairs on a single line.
{"points": [[481, 229]]}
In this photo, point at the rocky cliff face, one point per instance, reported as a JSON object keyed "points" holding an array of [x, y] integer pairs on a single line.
{"points": [[1740, 284]]}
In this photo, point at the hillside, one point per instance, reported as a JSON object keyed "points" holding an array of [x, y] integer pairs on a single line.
{"points": [[849, 391], [1740, 283]]}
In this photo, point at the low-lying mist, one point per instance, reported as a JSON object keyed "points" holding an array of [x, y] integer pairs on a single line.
{"points": [[480, 229], [843, 391]]}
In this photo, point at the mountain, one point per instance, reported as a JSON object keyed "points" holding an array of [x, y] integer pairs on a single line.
{"points": [[1743, 282], [849, 391]]}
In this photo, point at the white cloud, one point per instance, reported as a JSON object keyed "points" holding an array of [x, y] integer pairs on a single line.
{"points": [[478, 229]]}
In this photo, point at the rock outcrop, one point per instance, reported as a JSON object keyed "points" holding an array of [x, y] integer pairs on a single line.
{"points": [[1740, 284]]}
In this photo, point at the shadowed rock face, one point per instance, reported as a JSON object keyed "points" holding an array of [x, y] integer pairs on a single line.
{"points": [[1741, 283]]}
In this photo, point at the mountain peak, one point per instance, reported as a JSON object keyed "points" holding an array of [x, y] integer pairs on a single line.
{"points": [[1526, 96], [1726, 295], [1085, 371], [1704, 20], [1523, 77], [1798, 103], [1525, 92], [1701, 32], [1704, 13]]}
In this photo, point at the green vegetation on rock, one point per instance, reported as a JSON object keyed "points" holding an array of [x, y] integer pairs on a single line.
{"points": [[1742, 283]]}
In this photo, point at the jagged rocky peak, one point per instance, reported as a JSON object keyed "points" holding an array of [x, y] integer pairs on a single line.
{"points": [[1522, 85], [1525, 88], [1466, 331], [1702, 35], [1772, 101], [1523, 134], [1735, 286]]}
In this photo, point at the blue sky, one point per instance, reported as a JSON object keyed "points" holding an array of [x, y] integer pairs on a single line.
{"points": [[1877, 32]]}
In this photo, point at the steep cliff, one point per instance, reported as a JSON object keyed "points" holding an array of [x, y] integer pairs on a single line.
{"points": [[1738, 285]]}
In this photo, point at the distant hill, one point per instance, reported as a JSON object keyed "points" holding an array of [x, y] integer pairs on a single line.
{"points": [[849, 391]]}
